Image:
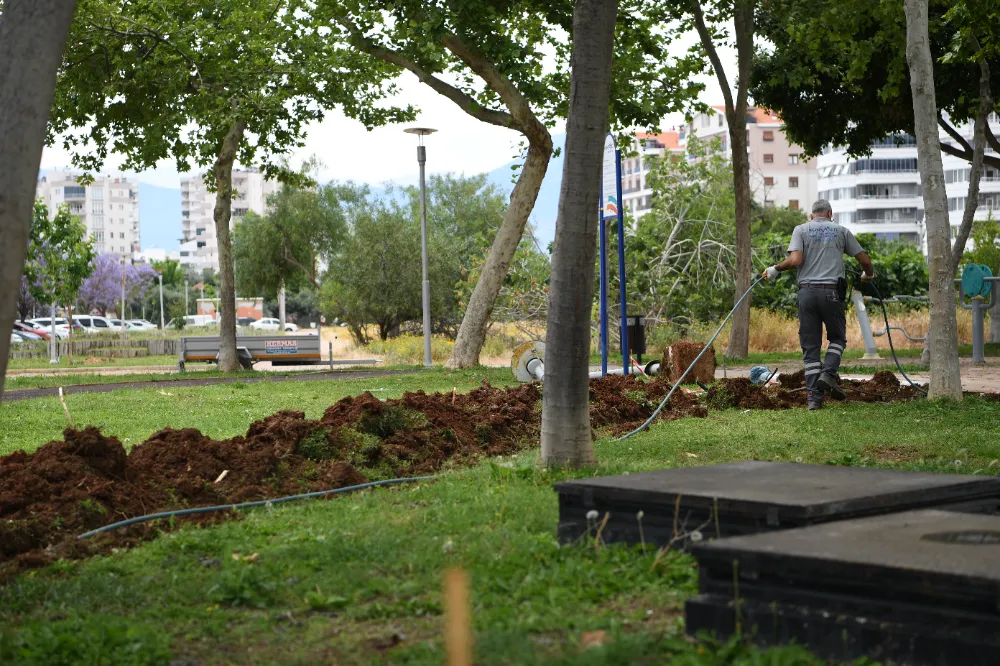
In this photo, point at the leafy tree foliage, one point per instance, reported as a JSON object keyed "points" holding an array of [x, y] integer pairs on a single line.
{"points": [[172, 272], [102, 290], [26, 303], [488, 59], [838, 75], [300, 234], [207, 83], [59, 256]]}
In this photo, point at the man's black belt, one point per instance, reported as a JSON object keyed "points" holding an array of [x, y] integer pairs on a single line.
{"points": [[811, 285]]}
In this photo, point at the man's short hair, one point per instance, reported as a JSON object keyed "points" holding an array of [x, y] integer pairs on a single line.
{"points": [[822, 206]]}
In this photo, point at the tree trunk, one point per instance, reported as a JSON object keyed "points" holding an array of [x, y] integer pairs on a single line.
{"points": [[739, 337], [472, 332], [69, 318], [946, 380], [566, 433], [223, 169], [32, 39]]}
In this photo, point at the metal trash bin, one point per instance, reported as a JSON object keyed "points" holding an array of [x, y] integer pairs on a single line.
{"points": [[636, 327]]}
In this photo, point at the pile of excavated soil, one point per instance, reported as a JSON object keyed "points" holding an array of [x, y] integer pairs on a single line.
{"points": [[790, 392], [88, 480]]}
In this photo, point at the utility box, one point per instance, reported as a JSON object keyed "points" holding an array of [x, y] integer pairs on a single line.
{"points": [[636, 327]]}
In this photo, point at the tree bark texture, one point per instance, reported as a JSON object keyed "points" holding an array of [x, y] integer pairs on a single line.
{"points": [[946, 380], [472, 332], [566, 433], [32, 39], [736, 116], [223, 170]]}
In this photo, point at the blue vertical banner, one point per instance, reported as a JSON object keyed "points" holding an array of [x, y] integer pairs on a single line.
{"points": [[610, 186], [622, 294]]}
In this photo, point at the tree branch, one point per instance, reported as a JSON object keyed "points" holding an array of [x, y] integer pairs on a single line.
{"points": [[291, 260], [744, 24], [501, 85], [967, 156], [713, 55], [954, 133], [975, 173], [464, 101]]}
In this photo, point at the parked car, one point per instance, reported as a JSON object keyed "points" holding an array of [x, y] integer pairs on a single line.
{"points": [[15, 338], [272, 324], [20, 326], [45, 323], [195, 320], [27, 336], [140, 325], [245, 321], [85, 323]]}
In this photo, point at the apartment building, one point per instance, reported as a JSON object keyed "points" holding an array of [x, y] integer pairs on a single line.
{"points": [[637, 194], [109, 207], [779, 174], [882, 193], [199, 247]]}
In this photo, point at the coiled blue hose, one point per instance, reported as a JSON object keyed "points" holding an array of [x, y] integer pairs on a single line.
{"points": [[693, 363], [246, 505]]}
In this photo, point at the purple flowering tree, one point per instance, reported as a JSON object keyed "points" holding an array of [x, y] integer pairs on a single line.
{"points": [[25, 301], [102, 291]]}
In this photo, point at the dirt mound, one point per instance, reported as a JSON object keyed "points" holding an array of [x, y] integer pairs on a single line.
{"points": [[741, 393], [622, 403], [793, 380]]}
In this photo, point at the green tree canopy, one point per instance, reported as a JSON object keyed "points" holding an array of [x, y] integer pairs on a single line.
{"points": [[59, 256], [292, 243], [837, 73]]}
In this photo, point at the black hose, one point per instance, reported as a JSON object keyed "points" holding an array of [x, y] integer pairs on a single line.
{"points": [[247, 505], [888, 334]]}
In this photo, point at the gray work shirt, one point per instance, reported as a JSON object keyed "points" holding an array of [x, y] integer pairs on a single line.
{"points": [[823, 244]]}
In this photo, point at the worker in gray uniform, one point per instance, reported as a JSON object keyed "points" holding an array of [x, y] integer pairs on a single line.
{"points": [[817, 249]]}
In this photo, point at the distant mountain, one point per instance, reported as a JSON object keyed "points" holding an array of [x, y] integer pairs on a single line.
{"points": [[543, 217], [159, 216]]}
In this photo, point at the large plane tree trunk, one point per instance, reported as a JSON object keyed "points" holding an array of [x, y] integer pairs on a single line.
{"points": [[32, 39], [223, 170], [472, 332], [946, 380], [566, 433]]}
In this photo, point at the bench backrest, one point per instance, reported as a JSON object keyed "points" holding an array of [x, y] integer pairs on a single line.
{"points": [[260, 347]]}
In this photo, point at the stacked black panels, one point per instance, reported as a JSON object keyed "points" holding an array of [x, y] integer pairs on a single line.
{"points": [[667, 506], [920, 587]]}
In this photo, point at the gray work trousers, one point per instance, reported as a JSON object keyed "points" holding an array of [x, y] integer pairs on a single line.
{"points": [[819, 308]]}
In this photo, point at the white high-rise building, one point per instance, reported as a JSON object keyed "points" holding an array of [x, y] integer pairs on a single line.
{"points": [[200, 249], [882, 194], [109, 207], [779, 174]]}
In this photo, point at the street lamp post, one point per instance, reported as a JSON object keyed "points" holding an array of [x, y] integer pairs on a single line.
{"points": [[161, 301], [123, 296], [421, 132]]}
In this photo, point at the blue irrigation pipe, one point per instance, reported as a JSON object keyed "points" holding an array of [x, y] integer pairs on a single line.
{"points": [[693, 363], [246, 505]]}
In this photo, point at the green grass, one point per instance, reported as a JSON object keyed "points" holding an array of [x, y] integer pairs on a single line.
{"points": [[356, 580], [219, 411]]}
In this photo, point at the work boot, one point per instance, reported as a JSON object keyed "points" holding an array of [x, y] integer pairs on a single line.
{"points": [[815, 404], [831, 384]]}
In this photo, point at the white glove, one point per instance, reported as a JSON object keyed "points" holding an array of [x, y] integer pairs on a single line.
{"points": [[771, 273]]}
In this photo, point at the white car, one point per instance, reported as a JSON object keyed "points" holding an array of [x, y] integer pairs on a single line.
{"points": [[272, 324], [140, 325], [45, 323]]}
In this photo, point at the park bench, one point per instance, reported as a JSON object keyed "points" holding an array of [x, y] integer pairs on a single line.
{"points": [[277, 349]]}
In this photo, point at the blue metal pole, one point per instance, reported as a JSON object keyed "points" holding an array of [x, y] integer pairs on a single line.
{"points": [[604, 291], [626, 355]]}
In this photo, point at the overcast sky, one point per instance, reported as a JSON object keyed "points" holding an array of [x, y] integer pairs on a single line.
{"points": [[461, 145]]}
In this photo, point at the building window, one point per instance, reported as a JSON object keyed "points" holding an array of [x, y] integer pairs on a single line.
{"points": [[793, 182], [793, 204], [793, 159], [720, 120], [98, 236], [201, 243], [75, 192], [705, 120], [768, 135], [97, 222], [768, 159], [97, 194], [98, 206], [240, 212], [768, 180], [121, 234]]}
